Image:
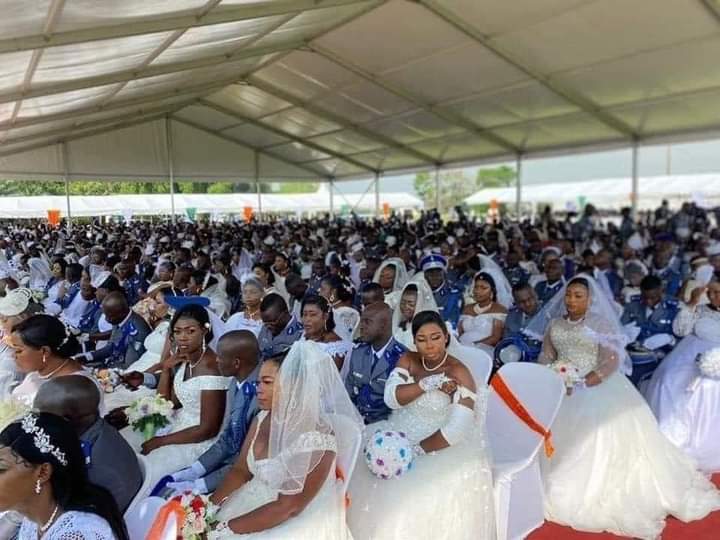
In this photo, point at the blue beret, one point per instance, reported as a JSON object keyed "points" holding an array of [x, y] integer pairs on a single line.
{"points": [[432, 261]]}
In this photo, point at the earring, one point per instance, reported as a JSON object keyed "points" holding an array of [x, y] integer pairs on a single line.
{"points": [[44, 359], [38, 487]]}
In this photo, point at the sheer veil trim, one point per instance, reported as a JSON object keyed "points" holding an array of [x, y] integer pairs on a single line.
{"points": [[601, 323], [425, 300], [502, 285], [401, 273], [309, 402]]}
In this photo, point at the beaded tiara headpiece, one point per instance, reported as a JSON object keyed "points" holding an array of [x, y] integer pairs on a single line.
{"points": [[42, 439]]}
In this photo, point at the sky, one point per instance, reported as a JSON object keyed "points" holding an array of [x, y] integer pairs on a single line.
{"points": [[688, 158]]}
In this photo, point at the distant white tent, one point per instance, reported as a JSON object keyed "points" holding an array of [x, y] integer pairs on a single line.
{"points": [[235, 203], [704, 189]]}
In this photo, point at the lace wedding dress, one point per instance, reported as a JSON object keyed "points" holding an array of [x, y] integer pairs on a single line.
{"points": [[169, 459], [446, 495], [70, 526], [322, 519], [613, 470], [687, 409]]}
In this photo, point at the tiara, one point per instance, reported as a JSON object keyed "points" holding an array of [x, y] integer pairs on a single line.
{"points": [[42, 439]]}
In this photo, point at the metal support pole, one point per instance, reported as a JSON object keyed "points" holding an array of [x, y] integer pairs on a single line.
{"points": [[518, 185], [171, 171], [635, 180], [332, 198], [257, 184], [437, 189], [377, 195], [66, 177]]}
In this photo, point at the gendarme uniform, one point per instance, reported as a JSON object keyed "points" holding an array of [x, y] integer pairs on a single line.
{"points": [[652, 322], [368, 372], [273, 345], [546, 290], [449, 299]]}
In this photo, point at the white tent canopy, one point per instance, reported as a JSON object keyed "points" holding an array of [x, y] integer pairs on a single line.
{"points": [[330, 89], [139, 205], [610, 192]]}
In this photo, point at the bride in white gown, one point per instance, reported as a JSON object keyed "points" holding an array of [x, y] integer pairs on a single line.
{"points": [[392, 275], [416, 296], [613, 470], [190, 378], [284, 485], [448, 493], [482, 322], [687, 412]]}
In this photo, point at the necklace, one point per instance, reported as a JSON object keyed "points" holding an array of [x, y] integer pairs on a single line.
{"points": [[251, 314], [480, 309], [49, 522], [193, 366], [577, 322], [54, 371], [430, 370]]}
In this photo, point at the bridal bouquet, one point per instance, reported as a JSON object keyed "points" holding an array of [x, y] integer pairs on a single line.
{"points": [[569, 374], [200, 515], [388, 454], [709, 365], [11, 411], [148, 414]]}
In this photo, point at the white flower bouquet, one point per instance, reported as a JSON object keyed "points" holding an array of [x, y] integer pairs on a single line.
{"points": [[708, 364], [150, 413], [108, 379]]}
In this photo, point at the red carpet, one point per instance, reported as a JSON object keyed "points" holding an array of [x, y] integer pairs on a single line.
{"points": [[707, 529]]}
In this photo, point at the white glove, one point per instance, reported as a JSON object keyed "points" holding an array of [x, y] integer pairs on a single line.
{"points": [[195, 486], [193, 472], [632, 331]]}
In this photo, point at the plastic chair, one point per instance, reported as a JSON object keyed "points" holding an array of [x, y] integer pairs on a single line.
{"points": [[145, 488], [477, 361], [140, 518], [516, 470], [349, 440]]}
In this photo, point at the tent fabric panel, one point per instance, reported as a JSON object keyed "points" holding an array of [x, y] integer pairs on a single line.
{"points": [[459, 147], [207, 117], [424, 35], [248, 101], [300, 123], [14, 67], [80, 60], [64, 102], [81, 14], [197, 154], [580, 37], [415, 127], [137, 151], [42, 161], [511, 105], [278, 171], [254, 135], [346, 142], [338, 168], [298, 152]]}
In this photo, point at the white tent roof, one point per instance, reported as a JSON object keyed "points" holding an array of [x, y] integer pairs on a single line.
{"points": [[37, 207], [343, 88], [610, 192]]}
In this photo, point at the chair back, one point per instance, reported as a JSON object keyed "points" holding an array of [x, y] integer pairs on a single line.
{"points": [[141, 517], [476, 360]]}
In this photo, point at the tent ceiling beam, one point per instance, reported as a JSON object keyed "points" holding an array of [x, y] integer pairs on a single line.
{"points": [[713, 7], [163, 24], [287, 135], [150, 71], [568, 95], [246, 145], [443, 114], [341, 121]]}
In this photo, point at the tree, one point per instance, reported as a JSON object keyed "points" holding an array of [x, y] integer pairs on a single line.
{"points": [[503, 176], [455, 187]]}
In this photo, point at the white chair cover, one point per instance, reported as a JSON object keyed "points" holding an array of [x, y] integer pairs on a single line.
{"points": [[476, 360], [515, 447], [145, 488], [349, 439], [142, 517]]}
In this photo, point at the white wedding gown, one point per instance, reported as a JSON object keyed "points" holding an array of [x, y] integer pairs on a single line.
{"points": [[169, 459], [688, 413], [613, 470], [446, 495], [322, 519], [478, 327]]}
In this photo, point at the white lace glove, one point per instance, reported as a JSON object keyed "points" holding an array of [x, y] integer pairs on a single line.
{"points": [[193, 472], [195, 486], [433, 382]]}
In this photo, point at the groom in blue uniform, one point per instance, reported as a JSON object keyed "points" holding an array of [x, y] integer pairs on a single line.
{"points": [[653, 313], [449, 299], [372, 361], [238, 357]]}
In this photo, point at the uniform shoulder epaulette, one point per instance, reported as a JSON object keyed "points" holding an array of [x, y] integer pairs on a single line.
{"points": [[360, 345], [671, 302], [399, 348]]}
